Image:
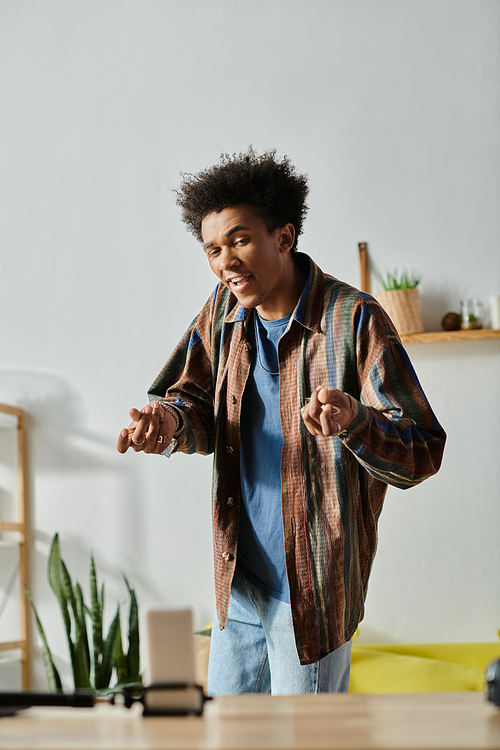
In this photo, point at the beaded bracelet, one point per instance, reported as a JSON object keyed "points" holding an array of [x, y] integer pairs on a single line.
{"points": [[173, 412]]}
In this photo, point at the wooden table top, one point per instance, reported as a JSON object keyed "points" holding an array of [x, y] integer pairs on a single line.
{"points": [[441, 721]]}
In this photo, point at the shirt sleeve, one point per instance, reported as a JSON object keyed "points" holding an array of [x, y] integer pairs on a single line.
{"points": [[395, 435], [186, 383]]}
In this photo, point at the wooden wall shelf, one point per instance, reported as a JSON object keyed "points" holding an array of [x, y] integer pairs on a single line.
{"points": [[432, 336], [19, 527], [426, 337]]}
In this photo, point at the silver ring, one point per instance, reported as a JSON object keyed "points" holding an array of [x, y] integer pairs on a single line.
{"points": [[135, 443]]}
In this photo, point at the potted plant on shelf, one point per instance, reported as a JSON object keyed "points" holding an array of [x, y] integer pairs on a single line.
{"points": [[93, 659], [401, 301]]}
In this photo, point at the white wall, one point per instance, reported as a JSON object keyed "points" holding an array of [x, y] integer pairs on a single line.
{"points": [[392, 107]]}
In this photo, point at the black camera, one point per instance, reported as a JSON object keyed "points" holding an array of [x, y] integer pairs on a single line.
{"points": [[493, 682]]}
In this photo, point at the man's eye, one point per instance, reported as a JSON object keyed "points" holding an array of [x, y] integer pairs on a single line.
{"points": [[242, 241], [214, 252]]}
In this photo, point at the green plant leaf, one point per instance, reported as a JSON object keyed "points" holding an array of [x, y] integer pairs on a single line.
{"points": [[120, 658], [96, 615], [81, 610], [108, 653], [55, 575], [133, 657], [81, 664], [75, 651], [53, 678], [69, 594], [403, 280]]}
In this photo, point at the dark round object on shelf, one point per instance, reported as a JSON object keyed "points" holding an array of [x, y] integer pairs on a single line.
{"points": [[451, 322]]}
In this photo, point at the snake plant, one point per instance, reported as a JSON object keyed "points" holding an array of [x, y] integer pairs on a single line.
{"points": [[402, 280], [92, 660]]}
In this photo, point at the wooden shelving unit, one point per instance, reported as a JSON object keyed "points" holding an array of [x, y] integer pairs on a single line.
{"points": [[19, 527], [432, 336]]}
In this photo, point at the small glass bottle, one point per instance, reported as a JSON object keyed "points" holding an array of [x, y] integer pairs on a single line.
{"points": [[472, 314], [495, 312]]}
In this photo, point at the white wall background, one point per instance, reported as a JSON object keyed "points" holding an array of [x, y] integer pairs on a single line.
{"points": [[392, 107]]}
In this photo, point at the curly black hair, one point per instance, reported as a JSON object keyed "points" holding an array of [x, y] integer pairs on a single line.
{"points": [[273, 187]]}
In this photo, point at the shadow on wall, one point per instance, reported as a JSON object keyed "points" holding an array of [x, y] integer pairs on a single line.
{"points": [[59, 445], [55, 433]]}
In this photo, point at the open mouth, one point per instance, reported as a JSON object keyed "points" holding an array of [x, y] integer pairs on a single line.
{"points": [[238, 282]]}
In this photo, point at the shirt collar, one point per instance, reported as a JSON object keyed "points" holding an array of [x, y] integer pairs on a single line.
{"points": [[309, 307]]}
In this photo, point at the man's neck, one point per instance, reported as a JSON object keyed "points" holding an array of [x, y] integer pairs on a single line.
{"points": [[284, 303]]}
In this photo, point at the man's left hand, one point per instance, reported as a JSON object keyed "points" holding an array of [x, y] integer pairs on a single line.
{"points": [[328, 412]]}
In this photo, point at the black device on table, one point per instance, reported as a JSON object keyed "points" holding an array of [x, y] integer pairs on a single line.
{"points": [[12, 701], [493, 682]]}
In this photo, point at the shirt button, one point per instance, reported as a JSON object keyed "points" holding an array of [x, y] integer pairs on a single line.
{"points": [[230, 501], [227, 556], [233, 400], [229, 449]]}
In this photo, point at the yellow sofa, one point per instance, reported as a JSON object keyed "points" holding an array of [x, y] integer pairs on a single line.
{"points": [[420, 668]]}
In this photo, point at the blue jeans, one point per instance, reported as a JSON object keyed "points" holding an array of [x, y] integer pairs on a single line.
{"points": [[256, 652]]}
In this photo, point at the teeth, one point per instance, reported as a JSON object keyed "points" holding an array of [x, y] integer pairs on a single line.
{"points": [[237, 279]]}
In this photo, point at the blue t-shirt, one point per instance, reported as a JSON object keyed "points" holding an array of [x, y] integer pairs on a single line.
{"points": [[261, 552]]}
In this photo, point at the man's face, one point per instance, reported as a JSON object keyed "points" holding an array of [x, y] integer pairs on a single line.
{"points": [[252, 263]]}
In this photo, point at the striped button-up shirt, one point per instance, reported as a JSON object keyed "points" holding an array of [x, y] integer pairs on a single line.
{"points": [[332, 488]]}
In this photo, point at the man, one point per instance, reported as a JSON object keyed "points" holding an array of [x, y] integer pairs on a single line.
{"points": [[300, 386]]}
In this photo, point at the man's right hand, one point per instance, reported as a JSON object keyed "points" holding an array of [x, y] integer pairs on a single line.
{"points": [[150, 431]]}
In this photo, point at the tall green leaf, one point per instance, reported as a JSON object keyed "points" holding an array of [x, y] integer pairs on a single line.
{"points": [[120, 658], [81, 665], [81, 611], [133, 658], [53, 678], [55, 575], [77, 652], [96, 614], [108, 653], [69, 594]]}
